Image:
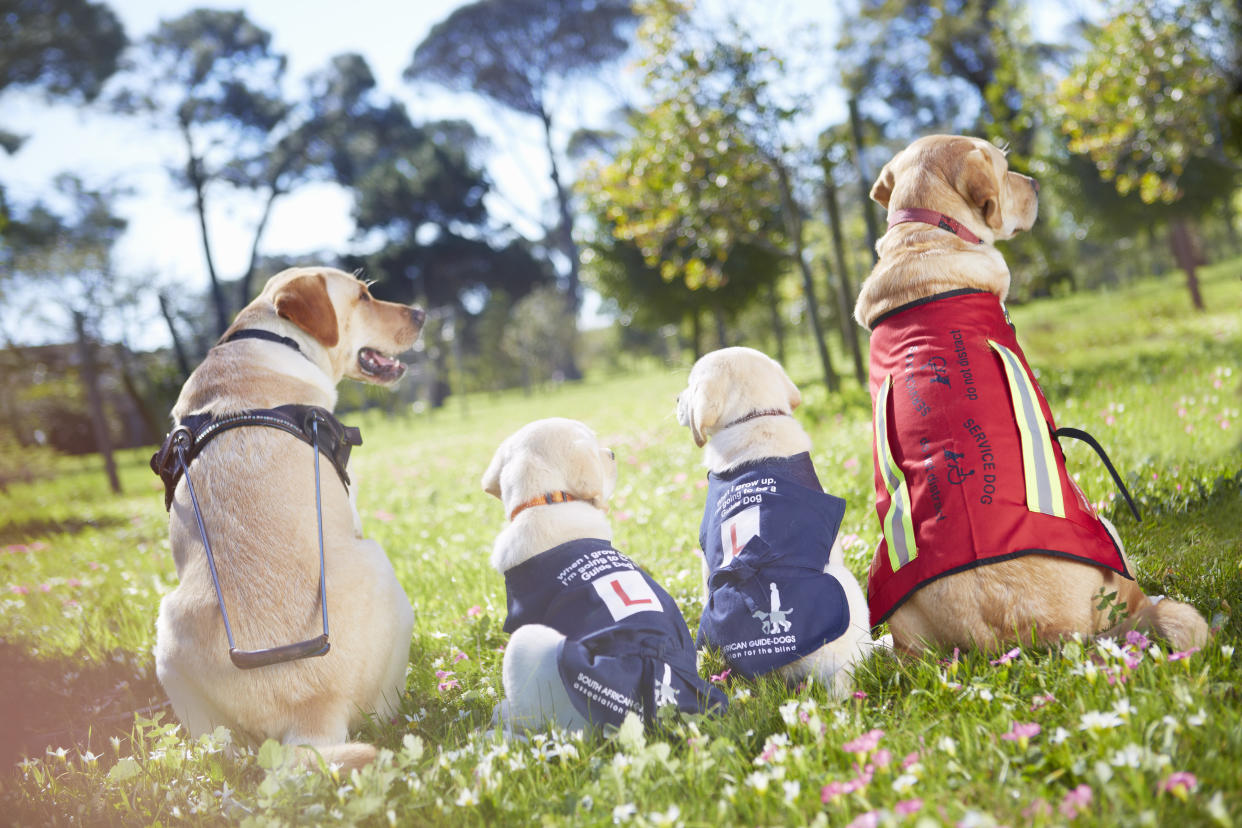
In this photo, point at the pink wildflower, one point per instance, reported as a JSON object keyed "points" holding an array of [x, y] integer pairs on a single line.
{"points": [[474, 612], [18, 589], [381, 515], [1183, 654], [447, 685], [850, 464], [1076, 801], [460, 656], [864, 743], [834, 790], [911, 760], [906, 807], [859, 694], [1136, 639], [92, 565], [1007, 657], [883, 758], [45, 587], [868, 820], [720, 677], [680, 477], [1021, 732], [443, 674], [73, 582], [1179, 784]]}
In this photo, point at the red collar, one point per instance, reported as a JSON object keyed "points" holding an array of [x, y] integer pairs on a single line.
{"points": [[542, 500], [933, 218]]}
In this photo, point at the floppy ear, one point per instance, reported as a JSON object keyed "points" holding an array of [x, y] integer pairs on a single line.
{"points": [[795, 396], [491, 477], [705, 411], [977, 181], [585, 475], [882, 189], [304, 302]]}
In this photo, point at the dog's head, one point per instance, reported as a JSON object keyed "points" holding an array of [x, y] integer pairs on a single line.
{"points": [[965, 178], [360, 335], [547, 456], [727, 385]]}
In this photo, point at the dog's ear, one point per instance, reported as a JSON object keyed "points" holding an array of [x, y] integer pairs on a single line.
{"points": [[977, 181], [795, 396], [882, 189], [584, 476], [706, 406], [491, 477], [304, 302]]}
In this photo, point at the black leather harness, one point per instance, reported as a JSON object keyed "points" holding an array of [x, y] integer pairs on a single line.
{"points": [[197, 430], [310, 423]]}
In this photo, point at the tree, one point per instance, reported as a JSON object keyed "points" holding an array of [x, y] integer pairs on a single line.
{"points": [[67, 48], [213, 76], [1150, 106], [70, 257], [709, 167], [520, 54]]}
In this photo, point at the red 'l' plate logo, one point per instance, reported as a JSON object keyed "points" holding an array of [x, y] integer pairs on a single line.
{"points": [[737, 531], [625, 593]]}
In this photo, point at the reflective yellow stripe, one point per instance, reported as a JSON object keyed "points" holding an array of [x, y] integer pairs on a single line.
{"points": [[897, 523], [1039, 463]]}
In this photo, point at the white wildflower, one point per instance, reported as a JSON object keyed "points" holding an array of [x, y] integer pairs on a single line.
{"points": [[1097, 720]]}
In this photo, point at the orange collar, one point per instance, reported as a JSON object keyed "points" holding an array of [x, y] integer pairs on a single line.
{"points": [[542, 500]]}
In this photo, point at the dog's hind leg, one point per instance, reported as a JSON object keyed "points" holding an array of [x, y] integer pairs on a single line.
{"points": [[534, 691]]}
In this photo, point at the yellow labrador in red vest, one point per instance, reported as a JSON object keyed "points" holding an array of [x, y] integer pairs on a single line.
{"points": [[987, 540], [778, 596], [308, 329]]}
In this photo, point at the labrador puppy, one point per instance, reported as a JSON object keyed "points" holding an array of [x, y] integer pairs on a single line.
{"points": [[594, 637], [987, 540], [778, 596], [309, 328]]}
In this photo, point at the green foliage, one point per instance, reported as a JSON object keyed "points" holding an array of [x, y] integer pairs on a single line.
{"points": [[1148, 101], [1088, 733]]}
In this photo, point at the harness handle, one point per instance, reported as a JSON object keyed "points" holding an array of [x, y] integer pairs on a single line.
{"points": [[181, 440], [1079, 434]]}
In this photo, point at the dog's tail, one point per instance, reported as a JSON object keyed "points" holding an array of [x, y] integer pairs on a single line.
{"points": [[348, 755], [1178, 623]]}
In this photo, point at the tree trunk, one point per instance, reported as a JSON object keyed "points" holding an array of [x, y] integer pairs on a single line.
{"points": [[243, 287], [845, 290], [722, 331], [565, 234], [778, 325], [183, 363], [696, 334], [1186, 254], [194, 172], [150, 425], [864, 180], [90, 379], [793, 226]]}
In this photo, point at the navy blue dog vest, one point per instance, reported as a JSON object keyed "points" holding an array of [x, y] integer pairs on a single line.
{"points": [[626, 647], [767, 531]]}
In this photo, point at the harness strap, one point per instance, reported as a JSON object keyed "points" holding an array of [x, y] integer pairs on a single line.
{"points": [[334, 439], [1079, 434]]}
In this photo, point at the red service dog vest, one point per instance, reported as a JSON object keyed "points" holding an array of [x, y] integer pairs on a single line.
{"points": [[967, 471]]}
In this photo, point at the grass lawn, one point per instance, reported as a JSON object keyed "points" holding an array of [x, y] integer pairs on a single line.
{"points": [[1090, 733]]}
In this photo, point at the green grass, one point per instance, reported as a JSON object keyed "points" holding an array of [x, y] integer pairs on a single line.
{"points": [[82, 572]]}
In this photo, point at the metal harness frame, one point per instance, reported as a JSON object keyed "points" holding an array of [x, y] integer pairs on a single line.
{"points": [[181, 440]]}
